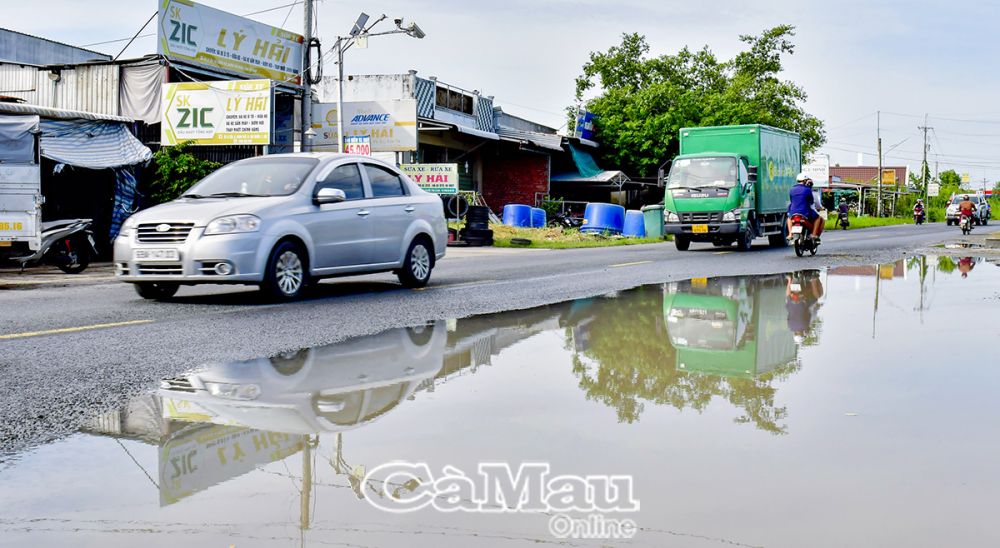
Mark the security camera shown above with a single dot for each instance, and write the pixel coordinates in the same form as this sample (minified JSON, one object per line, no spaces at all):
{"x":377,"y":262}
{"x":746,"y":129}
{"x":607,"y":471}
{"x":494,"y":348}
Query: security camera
{"x":399,"y":22}
{"x":414,"y":31}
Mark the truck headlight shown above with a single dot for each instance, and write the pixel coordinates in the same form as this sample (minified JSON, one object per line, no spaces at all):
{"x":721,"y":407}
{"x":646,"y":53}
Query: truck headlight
{"x":232,"y":224}
{"x":233,"y":391}
{"x":731,"y":216}
{"x":672,"y":217}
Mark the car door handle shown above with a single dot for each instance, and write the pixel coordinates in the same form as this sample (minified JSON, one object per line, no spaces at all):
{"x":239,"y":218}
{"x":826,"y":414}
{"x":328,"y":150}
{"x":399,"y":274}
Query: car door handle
{"x":363,"y":212}
{"x":409,"y":209}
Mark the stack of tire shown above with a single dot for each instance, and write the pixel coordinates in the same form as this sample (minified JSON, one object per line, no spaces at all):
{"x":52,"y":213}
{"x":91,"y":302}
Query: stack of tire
{"x":477,"y":227}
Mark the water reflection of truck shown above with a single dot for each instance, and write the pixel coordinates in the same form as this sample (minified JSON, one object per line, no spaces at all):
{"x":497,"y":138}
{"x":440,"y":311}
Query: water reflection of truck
{"x":730,"y":184}
{"x":730,"y":326}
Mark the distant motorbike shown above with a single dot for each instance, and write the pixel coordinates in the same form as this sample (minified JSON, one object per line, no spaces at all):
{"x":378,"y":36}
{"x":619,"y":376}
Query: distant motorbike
{"x":67,"y":244}
{"x":966,"y":224}
{"x":918,"y":216}
{"x":802,"y":238}
{"x":843,"y":221}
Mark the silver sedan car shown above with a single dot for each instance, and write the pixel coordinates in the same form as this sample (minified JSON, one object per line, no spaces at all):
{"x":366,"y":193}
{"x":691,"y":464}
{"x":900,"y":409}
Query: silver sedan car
{"x":282,"y":222}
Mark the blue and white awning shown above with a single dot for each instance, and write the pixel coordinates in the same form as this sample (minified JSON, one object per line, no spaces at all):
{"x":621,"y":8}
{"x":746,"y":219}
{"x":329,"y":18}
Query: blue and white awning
{"x":91,"y":144}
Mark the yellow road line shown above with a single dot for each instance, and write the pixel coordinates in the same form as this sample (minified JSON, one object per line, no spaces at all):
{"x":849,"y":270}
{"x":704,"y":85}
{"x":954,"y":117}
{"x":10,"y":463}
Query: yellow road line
{"x":629,"y":264}
{"x":722,"y":252}
{"x":448,"y":286}
{"x":71,"y":329}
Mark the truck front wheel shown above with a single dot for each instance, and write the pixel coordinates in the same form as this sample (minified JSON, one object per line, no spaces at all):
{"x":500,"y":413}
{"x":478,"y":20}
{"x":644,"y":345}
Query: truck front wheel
{"x":682,"y":243}
{"x":744,"y":240}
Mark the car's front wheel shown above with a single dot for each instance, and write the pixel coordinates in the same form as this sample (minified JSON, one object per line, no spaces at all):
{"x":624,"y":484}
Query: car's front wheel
{"x":417,"y":264}
{"x":156,"y":291}
{"x":287,"y":272}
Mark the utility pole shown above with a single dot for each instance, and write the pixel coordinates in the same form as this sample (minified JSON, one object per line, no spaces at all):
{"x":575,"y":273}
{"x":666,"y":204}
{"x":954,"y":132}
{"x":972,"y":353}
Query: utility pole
{"x":924,"y":167}
{"x":878,"y":145}
{"x":307,"y":25}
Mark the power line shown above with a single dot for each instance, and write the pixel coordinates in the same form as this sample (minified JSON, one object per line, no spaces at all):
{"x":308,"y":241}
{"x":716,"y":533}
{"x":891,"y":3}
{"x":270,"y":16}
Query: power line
{"x":154,"y":34}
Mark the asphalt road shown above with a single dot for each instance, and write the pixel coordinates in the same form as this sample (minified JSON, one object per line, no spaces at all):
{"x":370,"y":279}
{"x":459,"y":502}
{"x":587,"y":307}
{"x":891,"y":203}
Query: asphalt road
{"x":67,"y":352}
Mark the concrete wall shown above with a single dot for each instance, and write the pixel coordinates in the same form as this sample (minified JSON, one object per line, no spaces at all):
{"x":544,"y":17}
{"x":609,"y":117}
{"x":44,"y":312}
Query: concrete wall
{"x":368,"y":87}
{"x":513,"y":176}
{"x":32,"y":50}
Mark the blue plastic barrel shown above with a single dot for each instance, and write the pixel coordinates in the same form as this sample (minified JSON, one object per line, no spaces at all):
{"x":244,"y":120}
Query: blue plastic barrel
{"x":603,"y":218}
{"x":635,"y":224}
{"x":537,"y":217}
{"x":517,"y":215}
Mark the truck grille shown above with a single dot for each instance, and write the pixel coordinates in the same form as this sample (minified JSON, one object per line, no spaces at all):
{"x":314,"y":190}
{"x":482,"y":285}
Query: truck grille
{"x":177,"y":384}
{"x":177,"y":233}
{"x":160,"y":269}
{"x":702,"y":217}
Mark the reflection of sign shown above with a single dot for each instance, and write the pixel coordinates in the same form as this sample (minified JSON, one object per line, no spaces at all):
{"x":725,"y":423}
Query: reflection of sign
{"x":358,"y":144}
{"x":213,"y":38}
{"x":196,"y":459}
{"x":888,"y":176}
{"x":933,"y":189}
{"x":435,"y":178}
{"x":392,"y":125}
{"x":217,"y":113}
{"x":818,"y":169}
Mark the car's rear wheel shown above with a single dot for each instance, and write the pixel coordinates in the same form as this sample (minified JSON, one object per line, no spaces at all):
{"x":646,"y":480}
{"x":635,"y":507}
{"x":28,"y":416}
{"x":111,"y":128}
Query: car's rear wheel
{"x":157,"y":291}
{"x":681,"y":243}
{"x":287,"y":273}
{"x":417,"y":264}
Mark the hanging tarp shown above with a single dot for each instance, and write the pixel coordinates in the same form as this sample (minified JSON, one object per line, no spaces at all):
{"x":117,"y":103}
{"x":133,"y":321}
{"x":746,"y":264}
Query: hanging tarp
{"x":584,"y":162}
{"x":91,"y":144}
{"x":17,"y":139}
{"x":126,"y":202}
{"x":140,"y":87}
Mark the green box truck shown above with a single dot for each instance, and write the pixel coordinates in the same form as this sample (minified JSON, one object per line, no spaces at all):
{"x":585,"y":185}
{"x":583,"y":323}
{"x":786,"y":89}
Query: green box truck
{"x":729,"y":184}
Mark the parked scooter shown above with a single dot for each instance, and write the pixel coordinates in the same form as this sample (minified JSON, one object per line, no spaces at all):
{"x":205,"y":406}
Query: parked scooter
{"x":966,"y":224}
{"x":563,"y":220}
{"x":802,"y":238}
{"x":67,"y":244}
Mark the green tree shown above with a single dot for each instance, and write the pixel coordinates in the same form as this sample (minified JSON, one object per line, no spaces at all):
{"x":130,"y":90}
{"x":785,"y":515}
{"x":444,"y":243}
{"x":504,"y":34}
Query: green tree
{"x":643,"y":100}
{"x":176,"y":170}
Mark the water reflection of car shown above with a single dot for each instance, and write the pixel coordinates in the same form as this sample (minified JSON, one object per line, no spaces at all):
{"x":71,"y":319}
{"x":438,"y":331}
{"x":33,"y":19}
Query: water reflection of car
{"x":729,"y":326}
{"x":322,"y":389}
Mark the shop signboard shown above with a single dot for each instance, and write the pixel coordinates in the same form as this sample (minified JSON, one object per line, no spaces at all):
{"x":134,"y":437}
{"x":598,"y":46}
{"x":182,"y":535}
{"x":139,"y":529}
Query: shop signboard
{"x":199,"y":35}
{"x":391,"y":125}
{"x":234,"y":112}
{"x":433,"y":178}
{"x":818,"y":169}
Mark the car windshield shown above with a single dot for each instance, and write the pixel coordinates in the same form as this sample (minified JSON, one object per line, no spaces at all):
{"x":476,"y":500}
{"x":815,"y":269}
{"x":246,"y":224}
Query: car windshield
{"x":712,"y":172}
{"x":960,"y":199}
{"x":257,"y":177}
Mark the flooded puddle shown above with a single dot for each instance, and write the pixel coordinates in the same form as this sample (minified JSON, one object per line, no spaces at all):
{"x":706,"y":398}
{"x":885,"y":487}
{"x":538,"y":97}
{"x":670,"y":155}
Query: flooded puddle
{"x":854,"y":406}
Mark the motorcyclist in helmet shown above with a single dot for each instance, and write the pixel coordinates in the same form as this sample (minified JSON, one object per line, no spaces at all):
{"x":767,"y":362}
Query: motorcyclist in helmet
{"x":966,"y":207}
{"x":802,"y":202}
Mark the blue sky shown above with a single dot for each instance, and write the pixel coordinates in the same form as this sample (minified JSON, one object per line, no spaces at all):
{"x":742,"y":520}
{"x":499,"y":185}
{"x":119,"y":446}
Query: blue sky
{"x":852,"y":57}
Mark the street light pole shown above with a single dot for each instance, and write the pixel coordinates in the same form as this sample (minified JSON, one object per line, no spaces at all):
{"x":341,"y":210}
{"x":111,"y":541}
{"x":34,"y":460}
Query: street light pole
{"x":340,"y":94}
{"x":307,"y":23}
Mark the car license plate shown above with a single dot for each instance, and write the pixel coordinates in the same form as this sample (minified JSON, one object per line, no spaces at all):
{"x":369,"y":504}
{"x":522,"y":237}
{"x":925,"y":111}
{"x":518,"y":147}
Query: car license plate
{"x":700,"y":229}
{"x":6,"y":243}
{"x":699,"y":282}
{"x":797,"y":229}
{"x":154,"y":255}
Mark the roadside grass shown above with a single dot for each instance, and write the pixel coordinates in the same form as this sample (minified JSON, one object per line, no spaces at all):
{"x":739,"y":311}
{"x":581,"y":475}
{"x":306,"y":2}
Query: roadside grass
{"x":559,"y":238}
{"x":870,"y":222}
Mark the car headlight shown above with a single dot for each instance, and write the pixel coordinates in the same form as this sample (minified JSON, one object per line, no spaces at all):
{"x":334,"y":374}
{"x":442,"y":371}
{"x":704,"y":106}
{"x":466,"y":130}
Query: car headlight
{"x":127,"y":227}
{"x":730,"y":216}
{"x":233,"y":391}
{"x":232,"y":224}
{"x":672,"y":217}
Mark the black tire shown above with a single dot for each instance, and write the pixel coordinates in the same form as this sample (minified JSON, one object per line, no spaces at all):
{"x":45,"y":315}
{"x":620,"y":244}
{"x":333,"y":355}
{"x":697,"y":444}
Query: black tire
{"x":813,"y":249}
{"x":986,"y":221}
{"x":417,"y":264}
{"x":287,"y":272}
{"x":682,"y":243}
{"x":744,"y":240}
{"x":77,"y":260}
{"x":156,"y":291}
{"x":798,"y":249}
{"x":780,"y":239}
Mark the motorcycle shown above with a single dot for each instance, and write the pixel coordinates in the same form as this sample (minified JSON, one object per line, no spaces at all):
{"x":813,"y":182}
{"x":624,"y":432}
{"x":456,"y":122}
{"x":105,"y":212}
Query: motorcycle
{"x":918,"y":216}
{"x":965,"y":223}
{"x":843,"y":221}
{"x":67,"y":244}
{"x":563,"y":220}
{"x":802,"y":238}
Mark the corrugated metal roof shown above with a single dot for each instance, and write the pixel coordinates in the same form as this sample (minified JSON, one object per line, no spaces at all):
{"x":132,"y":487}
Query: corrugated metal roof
{"x":58,"y":113}
{"x":543,"y":140}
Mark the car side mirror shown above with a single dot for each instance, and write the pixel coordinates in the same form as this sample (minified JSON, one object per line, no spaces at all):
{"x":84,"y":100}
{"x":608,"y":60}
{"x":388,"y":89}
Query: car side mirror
{"x":752,"y":174}
{"x":329,"y":196}
{"x":660,"y":176}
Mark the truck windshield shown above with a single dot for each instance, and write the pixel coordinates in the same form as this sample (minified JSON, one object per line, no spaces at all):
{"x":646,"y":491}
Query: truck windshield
{"x":718,"y":172}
